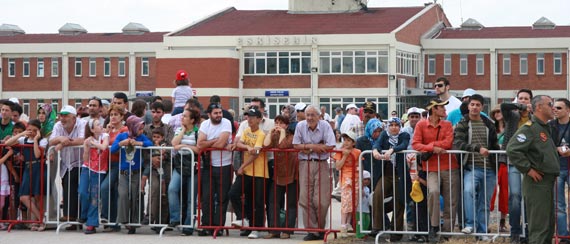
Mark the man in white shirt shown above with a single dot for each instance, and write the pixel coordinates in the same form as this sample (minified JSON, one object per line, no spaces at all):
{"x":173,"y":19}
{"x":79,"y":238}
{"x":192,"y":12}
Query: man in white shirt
{"x":442,"y":87}
{"x":351,"y":119}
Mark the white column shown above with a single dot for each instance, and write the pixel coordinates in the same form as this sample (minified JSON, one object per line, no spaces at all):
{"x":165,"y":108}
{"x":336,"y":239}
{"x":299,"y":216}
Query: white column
{"x":567,"y":73}
{"x":241,"y":101}
{"x":64,"y":79}
{"x":314,"y":75}
{"x":132,"y":74}
{"x":493,"y":82}
{"x":392,"y":91}
{"x":1,"y":75}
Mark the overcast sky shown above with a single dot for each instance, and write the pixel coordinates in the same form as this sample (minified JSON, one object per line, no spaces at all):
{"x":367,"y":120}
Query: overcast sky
{"x":41,"y":16}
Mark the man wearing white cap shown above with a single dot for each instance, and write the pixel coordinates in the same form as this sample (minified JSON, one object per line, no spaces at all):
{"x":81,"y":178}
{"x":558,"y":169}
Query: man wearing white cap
{"x":351,"y":119}
{"x":300,"y":109}
{"x":68,"y":132}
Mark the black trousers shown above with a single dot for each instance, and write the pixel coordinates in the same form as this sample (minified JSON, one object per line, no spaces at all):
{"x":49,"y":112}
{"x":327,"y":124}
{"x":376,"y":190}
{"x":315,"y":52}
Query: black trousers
{"x":253,"y":189}
{"x":70,"y":184}
{"x":216,"y":182}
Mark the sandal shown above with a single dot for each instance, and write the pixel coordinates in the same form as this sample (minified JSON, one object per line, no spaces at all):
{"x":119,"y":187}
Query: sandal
{"x":34,"y":227}
{"x":41,"y":227}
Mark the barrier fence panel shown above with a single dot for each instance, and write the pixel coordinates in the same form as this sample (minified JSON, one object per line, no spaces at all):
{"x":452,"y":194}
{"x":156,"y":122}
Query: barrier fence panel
{"x":22,"y":186}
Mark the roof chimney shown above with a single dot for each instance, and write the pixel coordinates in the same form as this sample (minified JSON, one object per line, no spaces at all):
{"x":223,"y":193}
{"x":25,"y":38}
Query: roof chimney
{"x":543,"y":23}
{"x":72,"y":29}
{"x":471,"y":24}
{"x":134,"y":29}
{"x":10,"y":30}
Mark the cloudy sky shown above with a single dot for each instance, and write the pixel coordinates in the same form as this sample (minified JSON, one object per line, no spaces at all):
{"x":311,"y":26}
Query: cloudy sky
{"x":40,"y":16}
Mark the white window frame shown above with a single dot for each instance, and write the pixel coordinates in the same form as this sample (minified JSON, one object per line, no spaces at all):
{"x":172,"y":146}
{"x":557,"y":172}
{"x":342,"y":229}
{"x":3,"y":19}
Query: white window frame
{"x":523,"y":57}
{"x":26,"y":66}
{"x":26,"y":107}
{"x":55,"y":104}
{"x":78,"y":66}
{"x":107,"y":67}
{"x":259,"y":62}
{"x":406,"y":63}
{"x":447,"y":64}
{"x":540,"y":63}
{"x":145,"y":62}
{"x":506,"y":63}
{"x":92,"y":67}
{"x":122,"y":63}
{"x":54,"y":64}
{"x":480,"y":64}
{"x":431,"y":64}
{"x":40,"y":69}
{"x":11,"y":67}
{"x":557,"y":57}
{"x":464,"y":59}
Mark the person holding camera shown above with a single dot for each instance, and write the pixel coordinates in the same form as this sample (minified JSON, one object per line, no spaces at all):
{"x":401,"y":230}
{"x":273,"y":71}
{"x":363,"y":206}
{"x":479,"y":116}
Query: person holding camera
{"x":432,"y":137}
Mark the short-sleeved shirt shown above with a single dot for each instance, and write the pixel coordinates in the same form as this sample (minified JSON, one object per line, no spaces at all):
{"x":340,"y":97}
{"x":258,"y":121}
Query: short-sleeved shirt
{"x":6,"y":130}
{"x":70,"y":156}
{"x":323,"y":134}
{"x":28,"y":152}
{"x":181,"y":94}
{"x":349,"y":165}
{"x":189,"y":138}
{"x":98,"y":159}
{"x":212,"y":132}
{"x":259,"y":166}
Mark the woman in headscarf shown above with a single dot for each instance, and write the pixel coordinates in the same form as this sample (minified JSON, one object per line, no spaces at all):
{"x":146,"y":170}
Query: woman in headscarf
{"x":47,"y":117}
{"x":130,"y":209}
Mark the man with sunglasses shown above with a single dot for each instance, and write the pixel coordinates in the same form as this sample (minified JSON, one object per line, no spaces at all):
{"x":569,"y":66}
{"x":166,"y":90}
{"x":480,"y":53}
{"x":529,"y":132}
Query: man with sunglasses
{"x":442,"y":87}
{"x":561,"y":136}
{"x":533,"y":152}
{"x":94,"y":107}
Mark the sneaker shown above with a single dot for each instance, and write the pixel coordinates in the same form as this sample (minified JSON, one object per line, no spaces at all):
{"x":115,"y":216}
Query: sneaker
{"x":515,"y":239}
{"x":467,"y":230}
{"x":253,"y":235}
{"x":103,"y":220}
{"x":311,"y":237}
{"x":90,"y":230}
{"x":343,"y":230}
{"x":485,"y":239}
{"x":239,"y":223}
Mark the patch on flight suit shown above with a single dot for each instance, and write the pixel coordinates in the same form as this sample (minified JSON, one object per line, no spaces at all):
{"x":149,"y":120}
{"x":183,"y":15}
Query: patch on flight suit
{"x":543,"y":137}
{"x":521,"y":138}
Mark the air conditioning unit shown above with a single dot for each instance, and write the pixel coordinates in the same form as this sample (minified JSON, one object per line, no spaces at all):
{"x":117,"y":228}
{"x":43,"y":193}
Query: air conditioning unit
{"x":402,"y":87}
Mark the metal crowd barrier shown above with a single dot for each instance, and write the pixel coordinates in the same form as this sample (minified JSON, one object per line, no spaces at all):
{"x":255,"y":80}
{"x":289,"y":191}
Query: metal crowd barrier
{"x":14,"y":210}
{"x":416,"y":220}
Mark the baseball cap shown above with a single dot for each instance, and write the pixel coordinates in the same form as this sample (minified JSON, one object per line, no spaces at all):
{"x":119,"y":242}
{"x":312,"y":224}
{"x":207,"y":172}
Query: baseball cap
{"x":436,"y":102}
{"x":414,"y":110}
{"x":300,"y":106}
{"x":468,"y":92}
{"x":350,"y":134}
{"x":67,"y":109}
{"x":365,"y":174}
{"x":254,"y":112}
{"x":417,"y":194}
{"x":369,"y":107}
{"x":352,"y":105}
{"x":14,"y":100}
{"x":105,"y":102}
{"x":181,"y":75}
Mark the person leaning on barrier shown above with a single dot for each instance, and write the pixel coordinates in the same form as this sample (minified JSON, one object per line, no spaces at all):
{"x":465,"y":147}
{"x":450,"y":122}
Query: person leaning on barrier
{"x":314,"y":138}
{"x":533,"y":151}
{"x":433,"y":136}
{"x":129,"y":206}
{"x":386,"y":147}
{"x":376,"y":167}
{"x":476,"y":134}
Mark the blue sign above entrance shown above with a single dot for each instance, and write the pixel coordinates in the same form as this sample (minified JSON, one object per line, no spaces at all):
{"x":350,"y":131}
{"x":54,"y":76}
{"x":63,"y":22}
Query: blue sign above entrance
{"x":277,"y":93}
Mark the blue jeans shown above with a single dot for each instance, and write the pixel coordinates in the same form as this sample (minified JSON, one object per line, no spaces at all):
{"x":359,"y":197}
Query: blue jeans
{"x":109,"y":201}
{"x":515,"y":200}
{"x":174,"y":197}
{"x":479,"y":184}
{"x":89,"y":195}
{"x":561,"y":216}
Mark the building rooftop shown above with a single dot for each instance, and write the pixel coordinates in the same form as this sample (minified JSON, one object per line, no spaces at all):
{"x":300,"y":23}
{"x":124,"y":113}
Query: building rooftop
{"x":505,"y":32}
{"x":83,"y":38}
{"x":278,"y":22}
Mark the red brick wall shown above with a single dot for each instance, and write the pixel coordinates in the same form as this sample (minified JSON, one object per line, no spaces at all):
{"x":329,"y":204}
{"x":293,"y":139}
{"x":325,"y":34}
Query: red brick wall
{"x":146,"y":83}
{"x":203,"y":72}
{"x":31,"y":83}
{"x":548,"y":81}
{"x":353,"y":81}
{"x":99,"y":82}
{"x":412,"y":33}
{"x":281,"y":81}
{"x":461,"y":82}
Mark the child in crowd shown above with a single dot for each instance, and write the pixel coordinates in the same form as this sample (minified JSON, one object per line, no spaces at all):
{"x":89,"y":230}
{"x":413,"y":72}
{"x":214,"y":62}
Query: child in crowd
{"x":364,"y":208}
{"x":31,"y":178}
{"x":182,"y":92}
{"x":93,"y":171}
{"x":4,"y":184}
{"x":347,"y":163}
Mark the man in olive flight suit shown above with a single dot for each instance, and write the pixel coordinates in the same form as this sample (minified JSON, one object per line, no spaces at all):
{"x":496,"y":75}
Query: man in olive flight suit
{"x":533,"y":152}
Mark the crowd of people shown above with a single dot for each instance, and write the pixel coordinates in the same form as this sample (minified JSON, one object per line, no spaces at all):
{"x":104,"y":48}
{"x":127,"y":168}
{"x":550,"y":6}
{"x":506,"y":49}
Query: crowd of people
{"x":106,"y":173}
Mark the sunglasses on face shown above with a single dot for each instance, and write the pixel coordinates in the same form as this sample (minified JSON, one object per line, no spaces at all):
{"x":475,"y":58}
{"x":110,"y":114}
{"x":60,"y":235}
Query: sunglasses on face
{"x":214,"y":106}
{"x":439,"y":85}
{"x":558,"y":108}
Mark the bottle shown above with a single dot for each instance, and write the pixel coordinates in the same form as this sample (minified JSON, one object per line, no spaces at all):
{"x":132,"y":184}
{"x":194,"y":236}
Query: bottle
{"x":564,"y":145}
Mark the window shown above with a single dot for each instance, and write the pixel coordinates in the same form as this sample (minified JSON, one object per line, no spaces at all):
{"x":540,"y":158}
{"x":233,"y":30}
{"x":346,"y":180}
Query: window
{"x":55,"y":105}
{"x":557,"y":63}
{"x":144,"y":67}
{"x":431,"y":64}
{"x":54,"y":67}
{"x":506,"y":64}
{"x":540,"y":63}
{"x":26,"y":107}
{"x":523,"y":64}
{"x":480,"y":64}
{"x":277,"y":63}
{"x":26,"y":65}
{"x":78,"y":67}
{"x":107,"y":67}
{"x":11,"y":67}
{"x":78,"y":103}
{"x":406,"y":63}
{"x":40,"y":71}
{"x":447,"y":64}
{"x":92,"y":67}
{"x":122,"y":67}
{"x":354,"y":62}
{"x":463,"y":64}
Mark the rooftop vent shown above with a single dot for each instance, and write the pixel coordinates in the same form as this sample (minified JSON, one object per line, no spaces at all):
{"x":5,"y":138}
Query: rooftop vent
{"x":72,"y":29}
{"x":543,"y":23}
{"x":134,"y":29}
{"x":10,"y":30}
{"x":471,"y":24}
